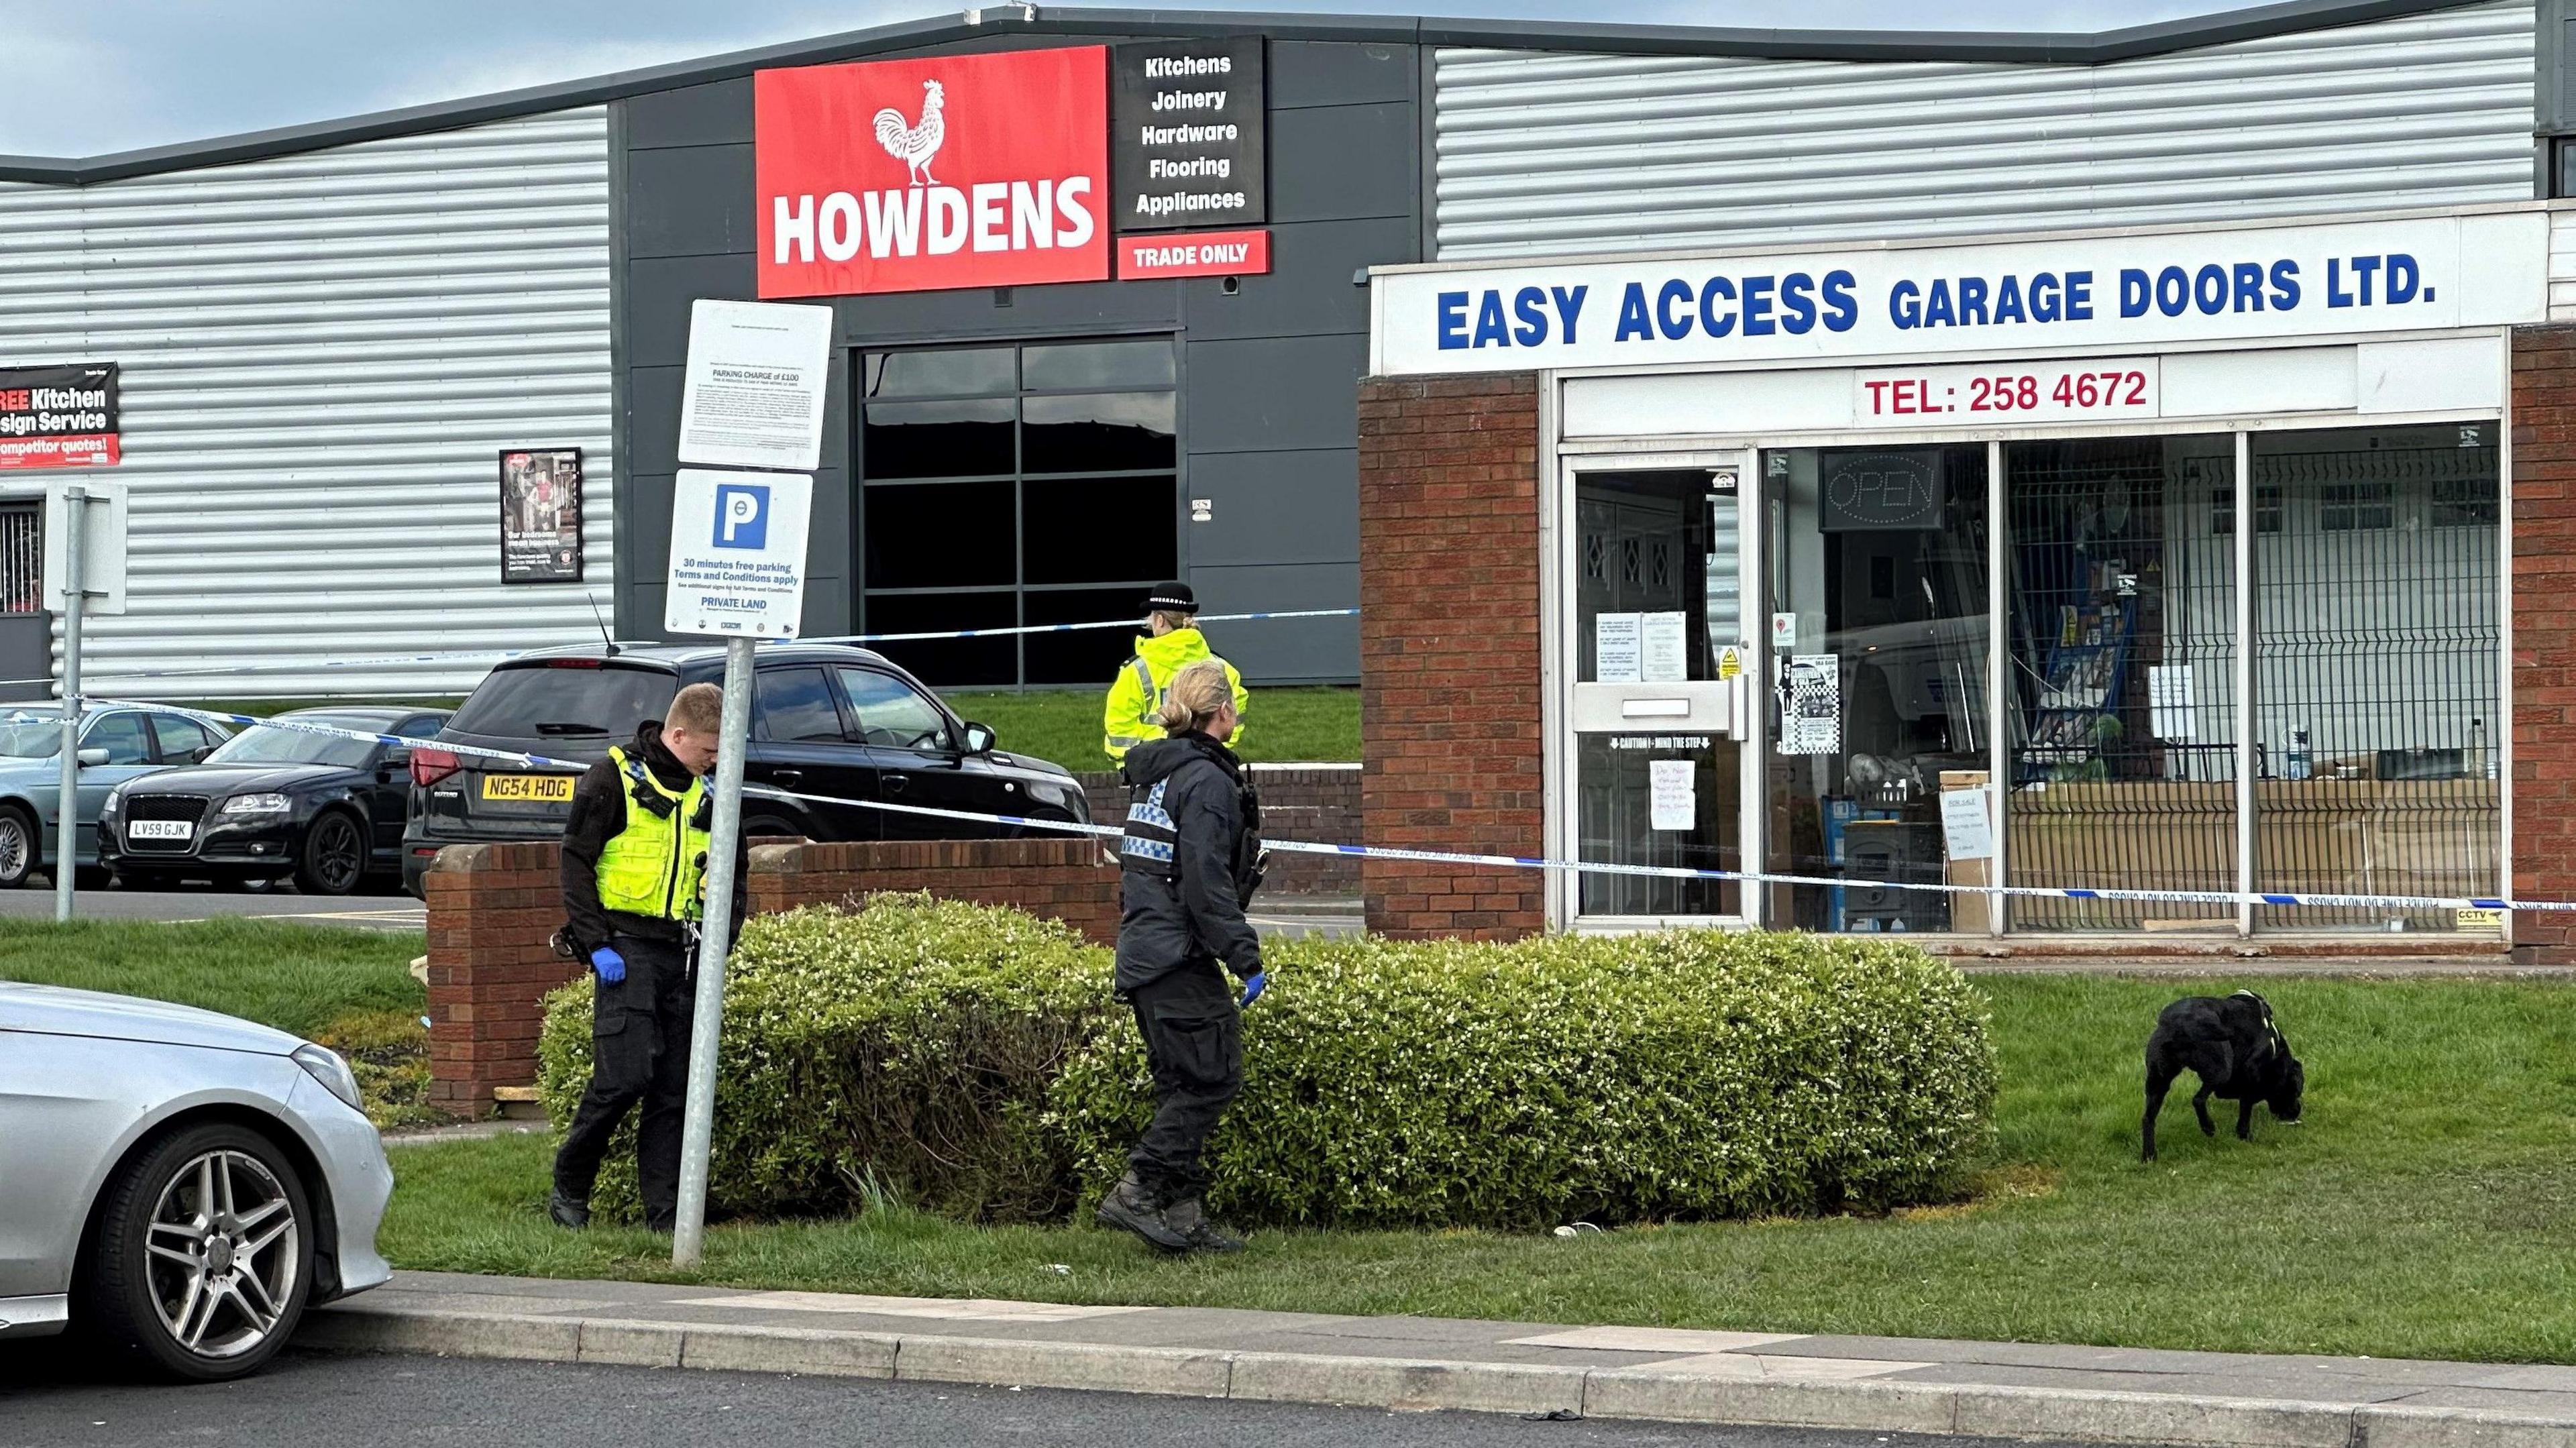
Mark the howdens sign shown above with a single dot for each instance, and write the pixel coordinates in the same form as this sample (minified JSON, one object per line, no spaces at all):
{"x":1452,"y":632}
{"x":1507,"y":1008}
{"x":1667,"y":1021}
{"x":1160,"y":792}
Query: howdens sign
{"x":2129,"y":291}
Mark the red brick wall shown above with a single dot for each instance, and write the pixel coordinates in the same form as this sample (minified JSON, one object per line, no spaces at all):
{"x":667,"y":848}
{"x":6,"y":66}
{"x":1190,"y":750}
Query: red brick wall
{"x":1298,"y":802}
{"x":2544,"y":638}
{"x":1449,"y":651}
{"x":492,"y":907}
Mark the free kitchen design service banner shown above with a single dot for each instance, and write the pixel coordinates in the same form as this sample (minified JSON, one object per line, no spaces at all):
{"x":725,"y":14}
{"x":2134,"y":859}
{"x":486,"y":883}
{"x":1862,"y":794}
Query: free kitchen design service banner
{"x":58,"y":417}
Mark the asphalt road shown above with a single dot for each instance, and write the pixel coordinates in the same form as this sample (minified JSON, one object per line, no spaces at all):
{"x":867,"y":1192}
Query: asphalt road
{"x":49,"y":1399}
{"x":366,"y":912}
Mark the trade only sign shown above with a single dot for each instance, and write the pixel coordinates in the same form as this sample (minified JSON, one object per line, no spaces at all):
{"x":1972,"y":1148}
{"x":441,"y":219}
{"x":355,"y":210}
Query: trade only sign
{"x":2127,"y":290}
{"x":918,"y":175}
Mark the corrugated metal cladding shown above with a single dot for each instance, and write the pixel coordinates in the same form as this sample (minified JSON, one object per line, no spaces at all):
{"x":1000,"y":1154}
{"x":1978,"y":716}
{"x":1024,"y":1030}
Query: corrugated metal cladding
{"x":323,"y":356}
{"x":1565,"y":154}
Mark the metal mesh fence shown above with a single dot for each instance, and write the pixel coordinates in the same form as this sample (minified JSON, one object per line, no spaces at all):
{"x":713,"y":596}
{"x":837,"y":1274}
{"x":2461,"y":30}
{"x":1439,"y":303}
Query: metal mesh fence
{"x":2376,"y":663}
{"x":2122,"y":619}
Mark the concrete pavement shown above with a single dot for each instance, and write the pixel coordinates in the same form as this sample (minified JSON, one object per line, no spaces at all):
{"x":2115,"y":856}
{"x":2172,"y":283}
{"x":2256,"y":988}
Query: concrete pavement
{"x":48,"y":1398}
{"x":1878,"y":1385}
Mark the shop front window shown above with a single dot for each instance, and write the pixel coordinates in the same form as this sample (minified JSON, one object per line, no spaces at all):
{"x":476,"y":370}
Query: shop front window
{"x":1879,"y":641}
{"x":2377,"y":726}
{"x":1017,"y":485}
{"x":2120,"y":592}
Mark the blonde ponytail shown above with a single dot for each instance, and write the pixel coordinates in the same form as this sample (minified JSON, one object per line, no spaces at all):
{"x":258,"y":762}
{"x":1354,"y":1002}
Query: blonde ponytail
{"x":1197,"y":692}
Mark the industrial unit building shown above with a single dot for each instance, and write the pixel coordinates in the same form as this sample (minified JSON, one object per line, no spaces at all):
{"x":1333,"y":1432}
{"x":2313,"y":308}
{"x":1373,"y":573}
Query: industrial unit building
{"x":1745,"y":448}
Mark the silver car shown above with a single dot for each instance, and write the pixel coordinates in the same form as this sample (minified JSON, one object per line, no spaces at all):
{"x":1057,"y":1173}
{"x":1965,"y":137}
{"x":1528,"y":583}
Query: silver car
{"x":117,"y":743}
{"x":177,"y":1185}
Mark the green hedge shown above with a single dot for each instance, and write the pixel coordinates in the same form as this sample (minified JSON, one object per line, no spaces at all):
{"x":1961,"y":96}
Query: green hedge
{"x":970,"y":1060}
{"x":905,"y":1048}
{"x":1689,"y":1074}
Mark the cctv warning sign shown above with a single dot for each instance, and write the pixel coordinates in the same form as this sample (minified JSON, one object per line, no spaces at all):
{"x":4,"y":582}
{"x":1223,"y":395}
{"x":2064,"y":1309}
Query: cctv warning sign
{"x":916,"y":175}
{"x":58,"y":417}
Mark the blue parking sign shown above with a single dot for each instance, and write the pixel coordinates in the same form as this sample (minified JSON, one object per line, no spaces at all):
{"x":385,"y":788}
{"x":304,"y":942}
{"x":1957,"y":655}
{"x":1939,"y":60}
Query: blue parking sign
{"x":742,"y":516}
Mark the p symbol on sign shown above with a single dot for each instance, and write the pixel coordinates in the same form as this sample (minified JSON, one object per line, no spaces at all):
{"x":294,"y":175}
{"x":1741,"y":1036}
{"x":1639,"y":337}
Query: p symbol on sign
{"x":742,"y":515}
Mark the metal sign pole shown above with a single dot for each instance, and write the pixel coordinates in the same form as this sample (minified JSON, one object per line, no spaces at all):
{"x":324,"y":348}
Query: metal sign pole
{"x":697,"y":1131}
{"x":75,"y":598}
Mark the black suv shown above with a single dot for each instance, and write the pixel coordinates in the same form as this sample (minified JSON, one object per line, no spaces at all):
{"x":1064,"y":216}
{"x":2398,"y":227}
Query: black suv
{"x":827,"y":720}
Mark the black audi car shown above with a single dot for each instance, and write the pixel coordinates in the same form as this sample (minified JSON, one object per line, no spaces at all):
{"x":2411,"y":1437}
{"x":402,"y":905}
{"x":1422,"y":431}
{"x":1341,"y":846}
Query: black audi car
{"x":833,"y":728}
{"x":274,"y":803}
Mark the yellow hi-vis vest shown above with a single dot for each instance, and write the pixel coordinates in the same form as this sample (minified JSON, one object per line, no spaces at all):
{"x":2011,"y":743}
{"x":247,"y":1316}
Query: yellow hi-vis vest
{"x":1137,"y":693}
{"x":653,"y":866}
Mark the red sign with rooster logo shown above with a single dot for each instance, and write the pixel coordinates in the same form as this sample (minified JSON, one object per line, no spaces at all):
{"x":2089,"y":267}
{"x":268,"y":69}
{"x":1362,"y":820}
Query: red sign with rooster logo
{"x":914,"y":175}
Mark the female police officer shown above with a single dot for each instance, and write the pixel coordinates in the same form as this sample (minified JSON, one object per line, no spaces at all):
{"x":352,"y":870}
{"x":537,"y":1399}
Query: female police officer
{"x":1191,"y":860}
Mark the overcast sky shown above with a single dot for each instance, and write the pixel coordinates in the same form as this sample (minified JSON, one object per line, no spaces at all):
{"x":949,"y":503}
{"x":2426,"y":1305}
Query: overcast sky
{"x":111,"y":75}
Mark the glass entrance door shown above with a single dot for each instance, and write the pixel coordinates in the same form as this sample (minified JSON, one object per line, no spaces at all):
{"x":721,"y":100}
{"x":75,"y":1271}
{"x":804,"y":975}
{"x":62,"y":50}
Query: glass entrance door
{"x":1658,"y":650}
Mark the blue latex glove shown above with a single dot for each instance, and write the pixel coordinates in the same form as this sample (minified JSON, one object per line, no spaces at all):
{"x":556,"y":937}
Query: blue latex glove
{"x":1253,"y":988}
{"x":610,"y":965}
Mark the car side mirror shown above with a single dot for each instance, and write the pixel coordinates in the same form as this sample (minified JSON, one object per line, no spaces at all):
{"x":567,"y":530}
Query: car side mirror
{"x":980,"y":739}
{"x":89,"y":757}
{"x":396,"y":761}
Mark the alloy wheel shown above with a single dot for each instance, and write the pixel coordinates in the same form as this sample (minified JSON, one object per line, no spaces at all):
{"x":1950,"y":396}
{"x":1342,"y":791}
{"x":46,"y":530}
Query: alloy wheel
{"x":15,"y":848}
{"x":222,"y":1254}
{"x":338,"y":857}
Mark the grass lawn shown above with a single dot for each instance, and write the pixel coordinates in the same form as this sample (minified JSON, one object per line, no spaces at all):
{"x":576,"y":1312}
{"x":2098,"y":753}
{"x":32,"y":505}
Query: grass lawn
{"x":1283,"y":726}
{"x":349,"y":989}
{"x":2427,"y":1209}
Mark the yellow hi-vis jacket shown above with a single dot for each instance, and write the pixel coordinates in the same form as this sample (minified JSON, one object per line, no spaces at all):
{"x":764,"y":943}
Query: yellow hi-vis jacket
{"x":653,"y":867}
{"x":1138,"y":690}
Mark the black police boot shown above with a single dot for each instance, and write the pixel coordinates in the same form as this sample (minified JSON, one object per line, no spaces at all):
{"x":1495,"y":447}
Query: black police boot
{"x":1188,"y":1217}
{"x":568,"y":1211}
{"x":1131,"y":1208}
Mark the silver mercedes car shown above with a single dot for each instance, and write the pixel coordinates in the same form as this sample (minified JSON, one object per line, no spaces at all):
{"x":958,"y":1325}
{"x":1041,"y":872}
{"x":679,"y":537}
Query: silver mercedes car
{"x":176,"y":1185}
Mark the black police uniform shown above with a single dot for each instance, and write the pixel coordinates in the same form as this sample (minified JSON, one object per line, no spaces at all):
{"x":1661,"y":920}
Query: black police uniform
{"x":1191,"y":860}
{"x":641,"y":1026}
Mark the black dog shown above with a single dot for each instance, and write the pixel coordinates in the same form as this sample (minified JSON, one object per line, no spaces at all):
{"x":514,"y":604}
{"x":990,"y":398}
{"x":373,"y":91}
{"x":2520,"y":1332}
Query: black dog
{"x":2237,"y":1052}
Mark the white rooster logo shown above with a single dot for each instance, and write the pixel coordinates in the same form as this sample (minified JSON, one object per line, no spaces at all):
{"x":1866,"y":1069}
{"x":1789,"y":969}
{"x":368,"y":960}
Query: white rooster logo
{"x":915,"y":145}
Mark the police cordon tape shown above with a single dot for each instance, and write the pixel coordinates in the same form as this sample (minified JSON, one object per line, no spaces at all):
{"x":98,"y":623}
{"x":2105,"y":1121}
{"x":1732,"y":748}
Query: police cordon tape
{"x":499,"y":655}
{"x":1450,"y":857}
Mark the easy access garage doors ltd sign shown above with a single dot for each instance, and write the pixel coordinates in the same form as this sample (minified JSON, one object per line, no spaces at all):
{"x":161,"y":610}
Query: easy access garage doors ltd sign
{"x":997,"y":170}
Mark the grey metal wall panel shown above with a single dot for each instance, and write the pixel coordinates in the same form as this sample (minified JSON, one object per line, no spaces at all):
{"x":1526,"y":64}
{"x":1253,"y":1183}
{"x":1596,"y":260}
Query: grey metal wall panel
{"x":715,"y":114}
{"x":1309,"y":290}
{"x":1334,"y":163}
{"x":1293,"y":650}
{"x":1276,"y":507}
{"x":668,"y":192}
{"x":324,"y":355}
{"x":1566,"y":153}
{"x":1276,"y":393}
{"x":1339,"y":73}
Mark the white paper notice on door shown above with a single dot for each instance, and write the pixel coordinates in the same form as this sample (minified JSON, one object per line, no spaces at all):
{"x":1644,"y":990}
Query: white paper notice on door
{"x":1674,"y":801}
{"x":1665,"y":648}
{"x":1965,"y":826}
{"x":1618,"y":644}
{"x":2170,"y":711}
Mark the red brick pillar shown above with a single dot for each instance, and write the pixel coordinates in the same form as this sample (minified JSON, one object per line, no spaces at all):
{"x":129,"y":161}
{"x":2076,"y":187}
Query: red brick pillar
{"x":2544,"y":639}
{"x":1449,"y":651}
{"x":491,"y":910}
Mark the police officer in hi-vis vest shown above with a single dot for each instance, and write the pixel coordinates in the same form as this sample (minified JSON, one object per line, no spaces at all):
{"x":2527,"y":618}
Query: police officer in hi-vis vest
{"x":1170,"y":643}
{"x":634,"y":865}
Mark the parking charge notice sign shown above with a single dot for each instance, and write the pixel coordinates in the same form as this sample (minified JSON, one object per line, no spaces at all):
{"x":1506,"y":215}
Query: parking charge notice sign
{"x":737,"y":553}
{"x":58,"y":417}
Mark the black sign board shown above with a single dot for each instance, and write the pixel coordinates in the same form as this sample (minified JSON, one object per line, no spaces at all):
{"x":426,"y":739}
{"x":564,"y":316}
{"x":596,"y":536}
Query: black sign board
{"x":1875,"y":490}
{"x":541,"y":515}
{"x":1186,"y":134}
{"x":59,"y":417}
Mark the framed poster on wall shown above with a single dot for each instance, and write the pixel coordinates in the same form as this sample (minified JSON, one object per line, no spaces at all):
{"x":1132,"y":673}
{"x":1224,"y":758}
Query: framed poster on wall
{"x":541,"y":515}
